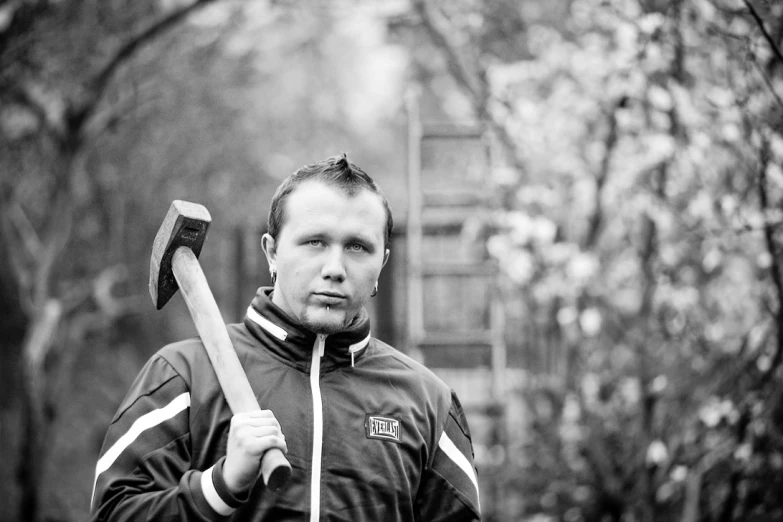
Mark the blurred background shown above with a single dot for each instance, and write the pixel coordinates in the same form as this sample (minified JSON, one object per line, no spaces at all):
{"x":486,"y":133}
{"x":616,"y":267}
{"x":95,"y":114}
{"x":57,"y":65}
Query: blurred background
{"x":587,"y":197}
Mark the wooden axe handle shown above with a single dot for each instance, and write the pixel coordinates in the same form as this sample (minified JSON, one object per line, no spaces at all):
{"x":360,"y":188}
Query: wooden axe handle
{"x":275,"y":468}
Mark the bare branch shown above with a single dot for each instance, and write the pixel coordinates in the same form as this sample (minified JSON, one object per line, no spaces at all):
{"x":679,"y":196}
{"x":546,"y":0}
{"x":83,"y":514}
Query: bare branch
{"x":120,"y":110}
{"x":56,"y":234}
{"x":103,"y":293}
{"x":762,"y":27}
{"x":16,"y":94}
{"x":456,"y":66}
{"x":774,"y":268}
{"x":14,"y":253}
{"x":610,"y":142}
{"x":99,"y":290}
{"x":21,"y":17}
{"x":715,"y":456}
{"x":25,"y":229}
{"x":126,"y":51}
{"x":767,"y":81}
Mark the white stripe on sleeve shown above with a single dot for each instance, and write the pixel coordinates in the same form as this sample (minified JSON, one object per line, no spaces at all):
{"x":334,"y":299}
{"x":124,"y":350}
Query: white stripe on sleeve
{"x":142,"y":424}
{"x":458,"y":458}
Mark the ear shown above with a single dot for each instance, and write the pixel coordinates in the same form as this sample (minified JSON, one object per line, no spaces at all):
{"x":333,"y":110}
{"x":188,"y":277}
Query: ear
{"x":386,"y":257}
{"x":268,"y":246}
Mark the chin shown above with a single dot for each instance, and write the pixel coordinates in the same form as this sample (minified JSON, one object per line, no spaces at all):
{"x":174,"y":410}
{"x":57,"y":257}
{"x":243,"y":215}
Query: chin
{"x":322,"y":322}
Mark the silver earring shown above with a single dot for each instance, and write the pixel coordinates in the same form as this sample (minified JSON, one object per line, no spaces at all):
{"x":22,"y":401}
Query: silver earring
{"x":374,"y":290}
{"x":273,"y":275}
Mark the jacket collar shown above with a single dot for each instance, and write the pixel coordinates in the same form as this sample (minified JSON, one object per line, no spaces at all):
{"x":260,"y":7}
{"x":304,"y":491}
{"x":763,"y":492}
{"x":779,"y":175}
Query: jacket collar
{"x":288,"y":340}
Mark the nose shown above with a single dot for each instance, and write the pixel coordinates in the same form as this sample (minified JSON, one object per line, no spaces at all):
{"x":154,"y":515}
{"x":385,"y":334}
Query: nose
{"x":334,"y":265}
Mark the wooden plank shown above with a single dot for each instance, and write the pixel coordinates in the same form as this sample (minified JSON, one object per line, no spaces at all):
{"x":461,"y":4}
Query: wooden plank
{"x":457,"y":356}
{"x":482,"y":338}
{"x":435,"y":218}
{"x":457,"y":196}
{"x":451,"y":227}
{"x":459,"y":269}
{"x":435,"y":130}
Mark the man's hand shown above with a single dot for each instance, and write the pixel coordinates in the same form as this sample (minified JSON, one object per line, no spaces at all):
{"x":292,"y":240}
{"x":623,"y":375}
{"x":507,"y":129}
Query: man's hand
{"x":250,"y":436}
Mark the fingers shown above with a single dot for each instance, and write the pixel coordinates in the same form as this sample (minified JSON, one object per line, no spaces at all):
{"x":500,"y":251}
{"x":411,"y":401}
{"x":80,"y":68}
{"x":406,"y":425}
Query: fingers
{"x":254,"y":433}
{"x":255,"y":418}
{"x":256,"y":441}
{"x":256,"y":414}
{"x":256,"y":425}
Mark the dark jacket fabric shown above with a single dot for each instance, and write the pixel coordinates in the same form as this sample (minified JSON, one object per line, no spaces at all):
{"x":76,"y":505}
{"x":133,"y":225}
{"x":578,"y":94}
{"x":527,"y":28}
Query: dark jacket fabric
{"x":371,"y":434}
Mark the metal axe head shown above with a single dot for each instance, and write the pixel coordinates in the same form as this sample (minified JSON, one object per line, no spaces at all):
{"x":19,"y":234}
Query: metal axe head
{"x":185,"y":225}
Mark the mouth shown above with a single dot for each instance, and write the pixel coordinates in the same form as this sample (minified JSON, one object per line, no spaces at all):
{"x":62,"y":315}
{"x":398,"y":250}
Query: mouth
{"x":329,"y":298}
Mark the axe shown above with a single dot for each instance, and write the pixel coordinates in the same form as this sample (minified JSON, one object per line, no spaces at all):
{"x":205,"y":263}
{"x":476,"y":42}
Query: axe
{"x":174,"y":265}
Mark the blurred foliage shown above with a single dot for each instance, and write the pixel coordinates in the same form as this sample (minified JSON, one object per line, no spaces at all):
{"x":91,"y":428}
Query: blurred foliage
{"x":638,"y":227}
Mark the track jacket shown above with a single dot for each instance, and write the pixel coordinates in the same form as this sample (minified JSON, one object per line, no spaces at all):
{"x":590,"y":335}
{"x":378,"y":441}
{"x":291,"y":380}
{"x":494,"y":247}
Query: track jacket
{"x":371,"y":434}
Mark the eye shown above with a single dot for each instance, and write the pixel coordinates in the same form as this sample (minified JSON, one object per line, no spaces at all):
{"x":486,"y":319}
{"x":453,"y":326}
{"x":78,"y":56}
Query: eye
{"x":357,"y":247}
{"x":315,"y":242}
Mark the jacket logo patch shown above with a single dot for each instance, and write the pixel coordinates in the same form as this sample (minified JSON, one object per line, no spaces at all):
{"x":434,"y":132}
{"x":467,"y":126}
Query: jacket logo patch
{"x":383,"y":428}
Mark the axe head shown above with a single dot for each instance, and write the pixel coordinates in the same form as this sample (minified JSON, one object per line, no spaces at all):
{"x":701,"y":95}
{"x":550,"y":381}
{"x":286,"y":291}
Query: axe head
{"x":185,"y":225}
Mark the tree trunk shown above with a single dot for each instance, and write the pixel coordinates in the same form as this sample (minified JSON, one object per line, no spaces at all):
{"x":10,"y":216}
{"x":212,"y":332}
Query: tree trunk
{"x":37,"y":345}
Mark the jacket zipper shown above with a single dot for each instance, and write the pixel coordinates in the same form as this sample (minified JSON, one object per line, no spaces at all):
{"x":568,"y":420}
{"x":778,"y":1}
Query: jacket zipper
{"x":318,"y":427}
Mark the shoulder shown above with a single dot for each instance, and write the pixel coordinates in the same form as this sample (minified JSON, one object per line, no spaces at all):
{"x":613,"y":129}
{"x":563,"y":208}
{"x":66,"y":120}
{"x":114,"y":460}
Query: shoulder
{"x":395,"y":363}
{"x":183,"y":356}
{"x":189,"y":357}
{"x":159,"y":382}
{"x":392,"y":356}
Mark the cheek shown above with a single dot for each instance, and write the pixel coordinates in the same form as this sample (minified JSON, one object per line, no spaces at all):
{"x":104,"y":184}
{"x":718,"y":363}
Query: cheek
{"x":293,"y":269}
{"x":370,"y":275}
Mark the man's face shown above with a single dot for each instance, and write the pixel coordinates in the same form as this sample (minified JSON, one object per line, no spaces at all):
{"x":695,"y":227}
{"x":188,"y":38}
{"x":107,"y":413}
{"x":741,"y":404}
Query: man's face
{"x":328,"y":255}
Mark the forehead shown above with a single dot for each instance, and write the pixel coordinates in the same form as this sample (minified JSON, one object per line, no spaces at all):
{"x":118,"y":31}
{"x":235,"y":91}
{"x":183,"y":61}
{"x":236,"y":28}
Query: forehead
{"x":315,"y":206}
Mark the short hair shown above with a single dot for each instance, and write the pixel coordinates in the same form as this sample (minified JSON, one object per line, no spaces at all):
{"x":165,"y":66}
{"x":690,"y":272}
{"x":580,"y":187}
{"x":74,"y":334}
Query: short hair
{"x":335,"y":171}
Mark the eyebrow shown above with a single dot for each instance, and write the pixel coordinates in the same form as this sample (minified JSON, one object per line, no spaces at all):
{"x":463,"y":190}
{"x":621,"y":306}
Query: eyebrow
{"x":359,"y":238}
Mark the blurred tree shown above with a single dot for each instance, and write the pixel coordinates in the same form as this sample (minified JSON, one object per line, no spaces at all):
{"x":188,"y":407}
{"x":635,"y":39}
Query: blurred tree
{"x":639,"y":229}
{"x":57,"y":62}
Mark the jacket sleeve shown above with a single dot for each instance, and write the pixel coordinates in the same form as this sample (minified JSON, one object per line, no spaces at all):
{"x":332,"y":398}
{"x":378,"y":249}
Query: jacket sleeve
{"x":449,"y":488}
{"x":143,"y":472}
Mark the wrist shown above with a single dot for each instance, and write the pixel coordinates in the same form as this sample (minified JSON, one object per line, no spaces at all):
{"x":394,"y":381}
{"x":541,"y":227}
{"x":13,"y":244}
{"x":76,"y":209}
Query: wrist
{"x":234,"y":496}
{"x":213,"y":498}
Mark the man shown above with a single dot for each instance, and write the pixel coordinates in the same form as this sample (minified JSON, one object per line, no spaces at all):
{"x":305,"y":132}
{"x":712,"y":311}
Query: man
{"x":370,"y":433}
